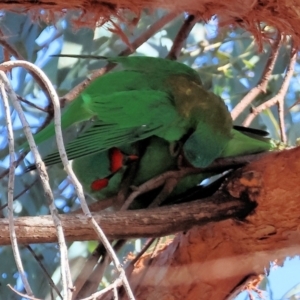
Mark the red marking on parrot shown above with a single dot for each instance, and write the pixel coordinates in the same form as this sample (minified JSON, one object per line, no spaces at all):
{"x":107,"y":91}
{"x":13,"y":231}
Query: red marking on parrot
{"x":99,"y":184}
{"x":116,"y":159}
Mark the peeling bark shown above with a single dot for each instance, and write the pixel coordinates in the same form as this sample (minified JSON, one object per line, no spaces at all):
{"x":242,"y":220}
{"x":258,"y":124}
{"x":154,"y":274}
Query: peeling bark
{"x":209,"y":262}
{"x":282,"y":15}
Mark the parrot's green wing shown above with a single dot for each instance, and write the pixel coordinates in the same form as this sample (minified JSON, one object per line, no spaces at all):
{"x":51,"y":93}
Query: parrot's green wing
{"x":126,"y":119}
{"x":141,"y":73}
{"x":79,"y":109}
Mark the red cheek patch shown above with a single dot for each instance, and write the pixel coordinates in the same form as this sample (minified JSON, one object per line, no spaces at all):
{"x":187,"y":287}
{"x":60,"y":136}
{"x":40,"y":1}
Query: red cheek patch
{"x":99,"y":184}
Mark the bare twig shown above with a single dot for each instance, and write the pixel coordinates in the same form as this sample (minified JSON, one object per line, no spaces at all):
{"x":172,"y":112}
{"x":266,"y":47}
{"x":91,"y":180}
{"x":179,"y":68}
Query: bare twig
{"x":10,"y":48}
{"x":113,"y":286}
{"x":130,"y":266}
{"x":22,"y":295}
{"x":31,"y":104}
{"x":182,"y":34}
{"x":66,"y":276}
{"x":93,"y":269}
{"x":11,"y":181}
{"x":17,"y":55}
{"x":90,"y":284}
{"x":87,"y":270}
{"x":151,"y":30}
{"x":277,"y":99}
{"x":151,"y":185}
{"x":168,"y":188}
{"x":5,"y":172}
{"x":99,"y":205}
{"x":294,"y":104}
{"x":51,"y":283}
{"x":21,"y":193}
{"x":262,"y":85}
{"x":217,"y":166}
{"x":285,"y":85}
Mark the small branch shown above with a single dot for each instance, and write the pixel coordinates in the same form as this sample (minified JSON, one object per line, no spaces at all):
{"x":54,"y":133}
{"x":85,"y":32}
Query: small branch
{"x":262,"y":85}
{"x":11,"y":182}
{"x":130,"y":266}
{"x":31,"y":104}
{"x":90,"y":264}
{"x":113,"y":286}
{"x":168,"y":188}
{"x":151,"y":185}
{"x":18,"y":56}
{"x":66,"y":275}
{"x":295,"y":103}
{"x":51,"y":283}
{"x":21,"y":193}
{"x":93,"y":269}
{"x":5,"y":172}
{"x":22,"y":295}
{"x":9,"y":48}
{"x":285,"y":85}
{"x":152,"y":29}
{"x":94,"y":276}
{"x":182,"y":35}
{"x":277,"y":99}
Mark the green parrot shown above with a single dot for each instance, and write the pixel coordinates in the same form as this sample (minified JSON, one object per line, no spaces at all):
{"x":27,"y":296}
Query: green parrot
{"x":101,"y":173}
{"x":153,"y":97}
{"x":155,"y":158}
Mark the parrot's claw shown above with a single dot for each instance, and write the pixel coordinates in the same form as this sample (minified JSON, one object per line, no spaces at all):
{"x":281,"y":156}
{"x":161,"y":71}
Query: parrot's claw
{"x":175,"y":148}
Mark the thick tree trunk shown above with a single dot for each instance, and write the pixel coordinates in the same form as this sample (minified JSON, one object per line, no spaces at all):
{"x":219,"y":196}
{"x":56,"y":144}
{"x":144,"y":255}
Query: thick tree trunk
{"x":209,"y":262}
{"x":283,"y":14}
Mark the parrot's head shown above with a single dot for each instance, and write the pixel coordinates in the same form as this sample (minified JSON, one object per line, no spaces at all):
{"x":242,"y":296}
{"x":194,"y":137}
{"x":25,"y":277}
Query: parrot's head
{"x":201,"y":148}
{"x":193,"y":152}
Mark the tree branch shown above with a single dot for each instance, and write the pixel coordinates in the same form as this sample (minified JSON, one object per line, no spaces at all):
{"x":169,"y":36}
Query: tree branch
{"x":182,"y":35}
{"x":263,"y":83}
{"x":278,"y":98}
{"x":128,"y":224}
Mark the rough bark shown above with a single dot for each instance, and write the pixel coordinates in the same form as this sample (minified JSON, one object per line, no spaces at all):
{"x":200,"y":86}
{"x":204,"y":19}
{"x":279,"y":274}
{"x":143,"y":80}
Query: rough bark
{"x":283,"y":14}
{"x":128,"y":224}
{"x":209,"y":262}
